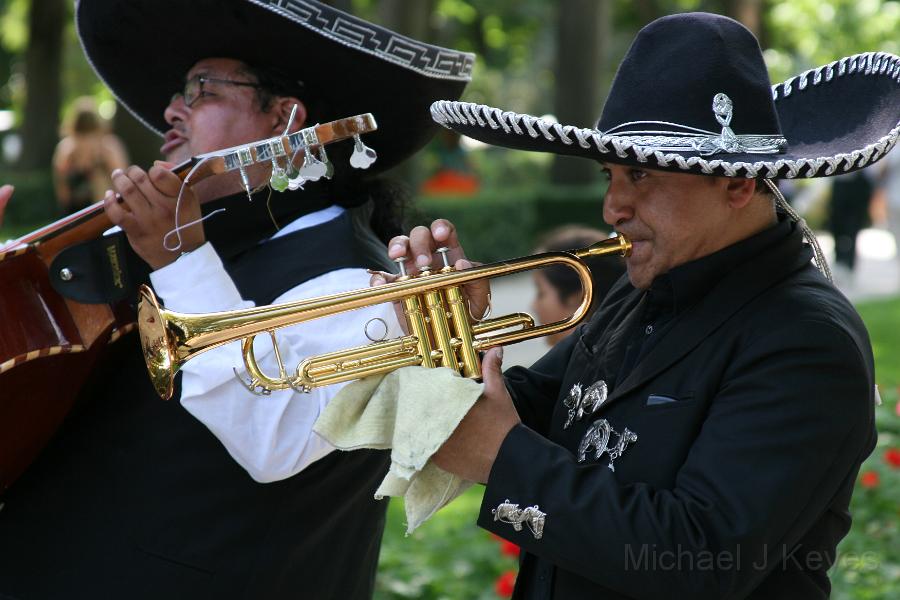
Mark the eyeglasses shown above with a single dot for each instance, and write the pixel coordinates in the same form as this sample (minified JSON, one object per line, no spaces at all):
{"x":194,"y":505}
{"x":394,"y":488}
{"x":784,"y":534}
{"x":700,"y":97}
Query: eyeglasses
{"x":193,"y":88}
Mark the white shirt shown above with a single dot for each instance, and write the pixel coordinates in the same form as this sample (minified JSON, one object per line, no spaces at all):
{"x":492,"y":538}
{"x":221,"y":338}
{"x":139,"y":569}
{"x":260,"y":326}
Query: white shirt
{"x":269,"y":436}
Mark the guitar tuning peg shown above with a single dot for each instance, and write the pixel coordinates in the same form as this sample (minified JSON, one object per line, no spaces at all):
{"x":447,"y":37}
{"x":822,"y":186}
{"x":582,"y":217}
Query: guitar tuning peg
{"x":329,"y":168}
{"x":296,"y":183}
{"x":363,"y":156}
{"x":245,"y":180}
{"x":279,"y":179}
{"x":312,"y":169}
{"x":295,"y":180}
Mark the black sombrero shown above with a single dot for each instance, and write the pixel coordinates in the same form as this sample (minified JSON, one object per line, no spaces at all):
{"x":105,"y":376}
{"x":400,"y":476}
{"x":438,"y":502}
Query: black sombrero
{"x":142,"y":49}
{"x":692,"y":94}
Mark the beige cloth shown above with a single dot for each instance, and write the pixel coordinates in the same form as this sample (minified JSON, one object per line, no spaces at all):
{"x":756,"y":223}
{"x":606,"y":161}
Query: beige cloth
{"x":412,"y":411}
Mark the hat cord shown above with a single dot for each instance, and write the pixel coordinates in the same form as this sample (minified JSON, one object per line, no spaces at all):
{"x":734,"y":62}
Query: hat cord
{"x":808,"y":235}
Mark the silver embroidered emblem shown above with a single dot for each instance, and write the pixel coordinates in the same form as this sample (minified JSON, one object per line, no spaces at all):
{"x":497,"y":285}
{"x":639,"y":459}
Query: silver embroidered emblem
{"x":598,"y":436}
{"x":595,"y":395}
{"x":573,"y":403}
{"x":515,"y":516}
{"x":684,"y":138}
{"x":580,"y":404}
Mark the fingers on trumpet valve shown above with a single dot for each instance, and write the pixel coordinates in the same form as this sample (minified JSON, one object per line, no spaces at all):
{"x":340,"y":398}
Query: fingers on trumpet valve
{"x":423,"y":243}
{"x":423,"y":247}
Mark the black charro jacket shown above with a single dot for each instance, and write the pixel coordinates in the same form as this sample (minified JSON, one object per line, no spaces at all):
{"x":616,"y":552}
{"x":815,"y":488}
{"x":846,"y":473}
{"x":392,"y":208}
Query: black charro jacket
{"x":739,"y":482}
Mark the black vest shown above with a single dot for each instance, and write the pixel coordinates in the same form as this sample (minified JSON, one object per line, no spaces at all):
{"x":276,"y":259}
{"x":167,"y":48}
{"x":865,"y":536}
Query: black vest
{"x":135,"y":498}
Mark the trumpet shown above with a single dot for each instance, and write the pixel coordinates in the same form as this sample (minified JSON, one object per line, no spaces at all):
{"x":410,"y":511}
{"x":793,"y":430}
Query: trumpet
{"x":441,"y":333}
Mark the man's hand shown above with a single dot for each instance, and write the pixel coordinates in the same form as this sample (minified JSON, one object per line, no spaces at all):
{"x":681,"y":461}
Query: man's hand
{"x":6,"y":193}
{"x":419,"y":248}
{"x":471,"y":450}
{"x":146,"y":212}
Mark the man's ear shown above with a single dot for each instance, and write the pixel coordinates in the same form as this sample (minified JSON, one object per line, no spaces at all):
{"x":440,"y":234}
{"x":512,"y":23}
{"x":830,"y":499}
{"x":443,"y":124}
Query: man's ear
{"x":281,"y":112}
{"x":740,"y":191}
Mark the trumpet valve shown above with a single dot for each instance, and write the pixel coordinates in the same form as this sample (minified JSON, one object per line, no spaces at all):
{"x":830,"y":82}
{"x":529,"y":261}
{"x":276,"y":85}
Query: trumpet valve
{"x":443,"y":252}
{"x":401,"y":267}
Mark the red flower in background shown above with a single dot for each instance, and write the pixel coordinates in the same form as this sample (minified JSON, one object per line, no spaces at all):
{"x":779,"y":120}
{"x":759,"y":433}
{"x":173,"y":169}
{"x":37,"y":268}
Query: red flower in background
{"x":869,"y":479}
{"x":507,"y":548}
{"x":505,"y":584}
{"x":892,"y":457}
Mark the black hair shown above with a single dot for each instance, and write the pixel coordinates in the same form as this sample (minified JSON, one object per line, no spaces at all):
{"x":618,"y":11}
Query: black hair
{"x":273,"y":83}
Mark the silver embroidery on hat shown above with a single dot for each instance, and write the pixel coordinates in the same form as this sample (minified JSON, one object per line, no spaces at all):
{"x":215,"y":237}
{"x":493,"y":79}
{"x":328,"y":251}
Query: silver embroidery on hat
{"x":598,"y":436}
{"x":692,"y":139}
{"x":515,"y":516}
{"x":586,"y":403}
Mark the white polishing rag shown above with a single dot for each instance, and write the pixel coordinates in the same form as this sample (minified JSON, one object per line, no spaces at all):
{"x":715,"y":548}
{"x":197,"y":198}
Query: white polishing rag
{"x":412,"y":411}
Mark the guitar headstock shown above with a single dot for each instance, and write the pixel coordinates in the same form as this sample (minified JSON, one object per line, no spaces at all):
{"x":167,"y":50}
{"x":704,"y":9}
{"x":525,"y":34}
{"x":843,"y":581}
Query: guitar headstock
{"x":281,"y":153}
{"x":295,"y":158}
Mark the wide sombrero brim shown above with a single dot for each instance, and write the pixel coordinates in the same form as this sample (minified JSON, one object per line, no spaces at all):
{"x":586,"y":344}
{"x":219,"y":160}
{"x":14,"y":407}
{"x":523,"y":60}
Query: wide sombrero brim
{"x":837,"y":118}
{"x":142,"y":49}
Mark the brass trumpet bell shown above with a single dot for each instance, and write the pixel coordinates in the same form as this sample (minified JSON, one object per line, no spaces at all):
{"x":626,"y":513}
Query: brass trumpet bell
{"x":441,"y":332}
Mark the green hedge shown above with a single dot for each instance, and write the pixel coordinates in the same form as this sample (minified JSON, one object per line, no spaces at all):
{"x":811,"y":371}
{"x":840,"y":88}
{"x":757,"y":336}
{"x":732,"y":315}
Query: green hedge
{"x":499,"y":224}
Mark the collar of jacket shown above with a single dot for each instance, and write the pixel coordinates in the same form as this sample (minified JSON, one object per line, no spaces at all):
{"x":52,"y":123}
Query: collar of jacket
{"x":681,"y":287}
{"x":727,"y":295}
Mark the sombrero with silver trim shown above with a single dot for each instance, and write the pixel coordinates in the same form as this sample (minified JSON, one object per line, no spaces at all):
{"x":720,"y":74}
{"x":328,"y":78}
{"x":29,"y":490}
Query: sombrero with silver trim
{"x":692,"y":94}
{"x":142,"y":50}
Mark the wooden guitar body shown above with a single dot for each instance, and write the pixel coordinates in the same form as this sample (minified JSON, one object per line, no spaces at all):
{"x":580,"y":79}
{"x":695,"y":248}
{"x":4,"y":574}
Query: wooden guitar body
{"x":48,"y":348}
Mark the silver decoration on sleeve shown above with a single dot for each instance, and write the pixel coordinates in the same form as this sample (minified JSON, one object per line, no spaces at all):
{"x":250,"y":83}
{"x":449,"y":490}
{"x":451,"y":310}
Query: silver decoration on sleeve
{"x":598,"y":437}
{"x":580,"y":404}
{"x":515,"y":516}
{"x":683,"y":138}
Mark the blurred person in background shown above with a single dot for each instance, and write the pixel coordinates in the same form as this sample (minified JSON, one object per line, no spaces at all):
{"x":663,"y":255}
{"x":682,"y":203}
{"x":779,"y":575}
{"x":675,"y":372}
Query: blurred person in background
{"x":888,"y":194}
{"x":85,"y":157}
{"x":848,"y":214}
{"x":557,"y":288}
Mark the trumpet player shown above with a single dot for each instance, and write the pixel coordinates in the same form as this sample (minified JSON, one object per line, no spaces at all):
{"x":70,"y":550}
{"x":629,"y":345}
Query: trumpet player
{"x":220,"y":493}
{"x":701,"y":436}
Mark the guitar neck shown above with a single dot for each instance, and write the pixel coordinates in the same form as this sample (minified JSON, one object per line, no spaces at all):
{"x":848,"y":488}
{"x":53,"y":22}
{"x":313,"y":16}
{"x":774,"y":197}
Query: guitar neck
{"x":91,"y":222}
